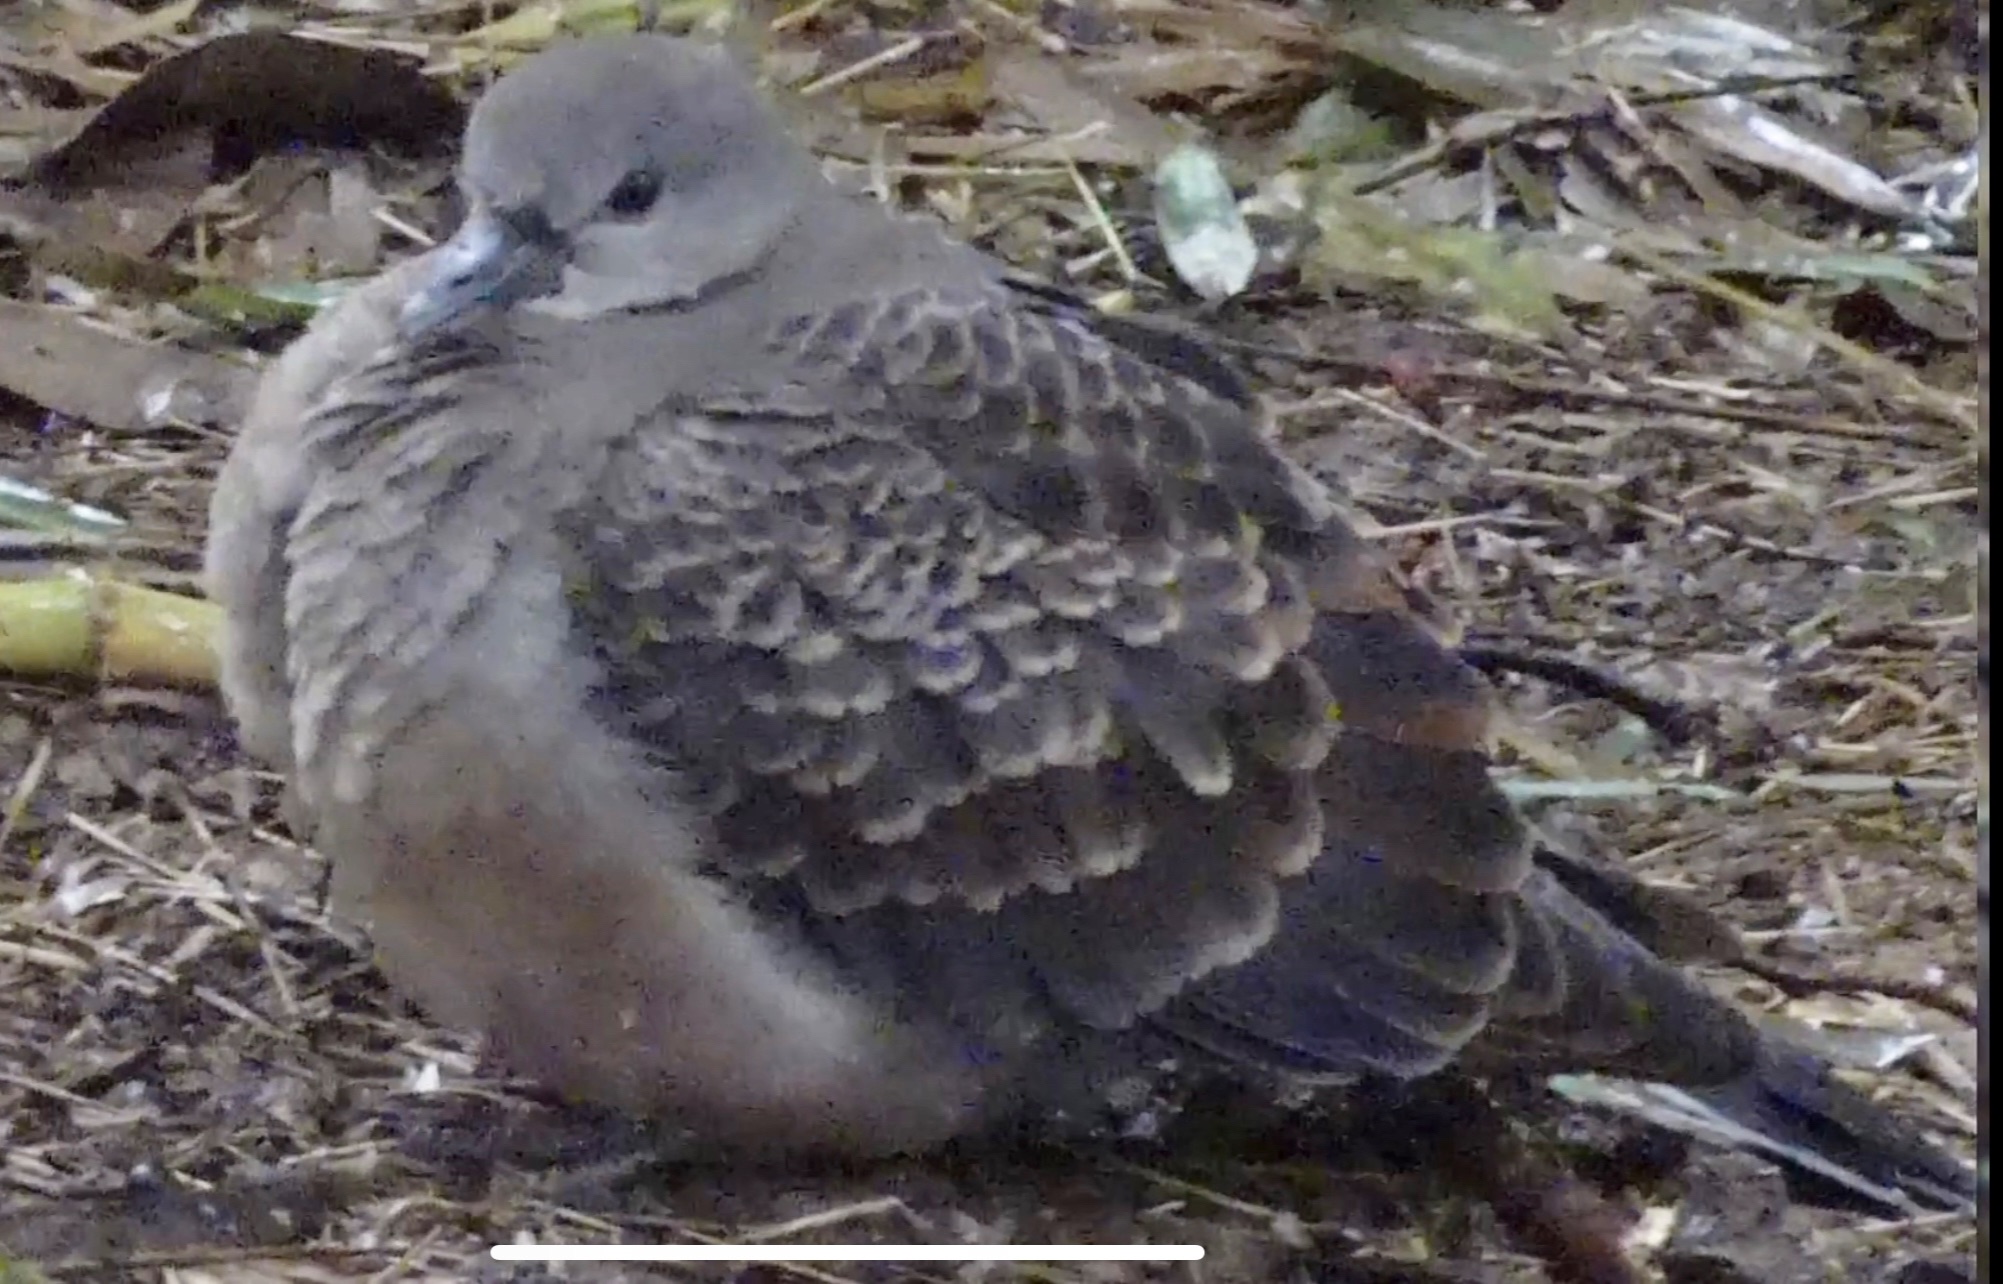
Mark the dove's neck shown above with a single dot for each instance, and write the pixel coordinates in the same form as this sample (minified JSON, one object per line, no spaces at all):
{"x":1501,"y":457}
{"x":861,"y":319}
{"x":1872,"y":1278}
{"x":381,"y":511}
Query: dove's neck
{"x":853,"y":246}
{"x":699,"y":311}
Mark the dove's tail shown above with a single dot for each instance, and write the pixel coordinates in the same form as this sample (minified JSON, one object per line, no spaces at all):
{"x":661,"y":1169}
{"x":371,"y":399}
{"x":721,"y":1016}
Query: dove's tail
{"x":1787,"y":1103}
{"x":1427,"y":930}
{"x":1843,"y":1146}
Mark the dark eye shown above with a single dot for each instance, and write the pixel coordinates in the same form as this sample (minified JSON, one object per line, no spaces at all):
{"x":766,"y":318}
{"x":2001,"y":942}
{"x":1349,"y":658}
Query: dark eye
{"x":635,"y":194}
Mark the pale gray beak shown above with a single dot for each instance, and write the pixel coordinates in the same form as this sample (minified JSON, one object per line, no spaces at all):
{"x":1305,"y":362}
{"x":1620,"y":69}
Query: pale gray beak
{"x":488,"y":263}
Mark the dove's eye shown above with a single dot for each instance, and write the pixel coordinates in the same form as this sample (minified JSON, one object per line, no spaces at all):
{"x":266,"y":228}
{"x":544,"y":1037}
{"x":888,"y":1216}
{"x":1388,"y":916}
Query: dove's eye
{"x":635,"y":194}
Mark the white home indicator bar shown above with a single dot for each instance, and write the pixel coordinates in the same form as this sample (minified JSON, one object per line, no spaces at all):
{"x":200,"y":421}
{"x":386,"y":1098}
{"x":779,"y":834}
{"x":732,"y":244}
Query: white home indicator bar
{"x":848,"y":1252}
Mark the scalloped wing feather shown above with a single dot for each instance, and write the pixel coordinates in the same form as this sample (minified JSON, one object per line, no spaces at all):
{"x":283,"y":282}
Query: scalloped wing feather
{"x":975,"y":625}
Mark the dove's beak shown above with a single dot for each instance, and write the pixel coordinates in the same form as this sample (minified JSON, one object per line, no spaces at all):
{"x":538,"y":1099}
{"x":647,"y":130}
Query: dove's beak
{"x":488,"y":263}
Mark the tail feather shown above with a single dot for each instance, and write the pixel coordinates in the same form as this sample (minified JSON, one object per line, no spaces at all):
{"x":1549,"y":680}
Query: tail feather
{"x":1775,"y":1096}
{"x":1840,"y":1148}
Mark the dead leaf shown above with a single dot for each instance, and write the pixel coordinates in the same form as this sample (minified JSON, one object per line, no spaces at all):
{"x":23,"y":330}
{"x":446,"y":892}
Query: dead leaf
{"x":256,"y":91}
{"x":1489,"y":58}
{"x":62,"y":363}
{"x":122,"y":28}
{"x":294,"y":217}
{"x":1065,"y":100}
{"x":130,"y":213}
{"x":1740,"y":127}
{"x":103,"y":205}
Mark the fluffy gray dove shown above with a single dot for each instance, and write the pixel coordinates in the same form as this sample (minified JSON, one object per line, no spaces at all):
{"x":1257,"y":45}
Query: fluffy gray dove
{"x":768,"y":669}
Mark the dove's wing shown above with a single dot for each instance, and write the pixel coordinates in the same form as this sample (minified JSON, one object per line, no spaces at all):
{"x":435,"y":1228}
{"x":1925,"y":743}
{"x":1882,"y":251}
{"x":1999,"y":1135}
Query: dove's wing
{"x":1039,"y":669}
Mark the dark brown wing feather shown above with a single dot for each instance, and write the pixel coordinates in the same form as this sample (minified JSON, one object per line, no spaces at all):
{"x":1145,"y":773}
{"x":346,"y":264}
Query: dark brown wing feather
{"x":1036,"y":683}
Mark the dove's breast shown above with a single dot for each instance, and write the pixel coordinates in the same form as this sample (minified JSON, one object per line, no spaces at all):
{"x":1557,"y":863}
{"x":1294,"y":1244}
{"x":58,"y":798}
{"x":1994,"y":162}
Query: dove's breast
{"x":515,"y":861}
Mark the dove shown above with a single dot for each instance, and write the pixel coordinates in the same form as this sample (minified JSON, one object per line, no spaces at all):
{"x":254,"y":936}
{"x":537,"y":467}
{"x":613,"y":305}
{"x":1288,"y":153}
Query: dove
{"x":768,"y":667}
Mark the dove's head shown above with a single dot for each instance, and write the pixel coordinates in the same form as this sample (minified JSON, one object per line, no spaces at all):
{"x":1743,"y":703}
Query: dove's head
{"x":615,"y":173}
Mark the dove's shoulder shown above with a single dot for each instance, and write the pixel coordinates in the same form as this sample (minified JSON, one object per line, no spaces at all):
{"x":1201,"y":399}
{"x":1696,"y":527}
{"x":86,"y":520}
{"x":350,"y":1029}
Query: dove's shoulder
{"x":1080,"y":425}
